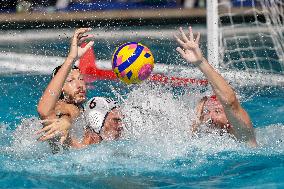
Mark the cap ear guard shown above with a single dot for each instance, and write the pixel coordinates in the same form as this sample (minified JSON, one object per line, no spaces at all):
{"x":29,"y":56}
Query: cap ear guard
{"x":96,"y":111}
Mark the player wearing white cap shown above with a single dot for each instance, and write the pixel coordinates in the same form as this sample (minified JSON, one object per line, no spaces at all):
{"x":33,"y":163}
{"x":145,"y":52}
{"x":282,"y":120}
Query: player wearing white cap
{"x":103,"y":118}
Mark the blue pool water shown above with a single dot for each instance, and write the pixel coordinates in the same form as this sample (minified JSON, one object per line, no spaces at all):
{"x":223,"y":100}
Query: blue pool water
{"x":156,"y":150}
{"x":159,"y":159}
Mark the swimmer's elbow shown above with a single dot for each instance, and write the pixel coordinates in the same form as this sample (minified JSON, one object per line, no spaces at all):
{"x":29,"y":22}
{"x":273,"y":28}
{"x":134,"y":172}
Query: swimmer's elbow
{"x":43,"y":112}
{"x":230,"y":100}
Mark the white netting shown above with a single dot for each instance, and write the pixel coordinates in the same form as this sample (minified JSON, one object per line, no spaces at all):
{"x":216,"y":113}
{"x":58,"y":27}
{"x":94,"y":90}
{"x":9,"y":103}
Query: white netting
{"x":251,"y":37}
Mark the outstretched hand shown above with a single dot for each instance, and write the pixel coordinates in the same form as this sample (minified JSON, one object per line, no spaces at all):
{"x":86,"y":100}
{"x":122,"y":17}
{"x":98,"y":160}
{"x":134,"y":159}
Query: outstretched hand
{"x":190,"y":50}
{"x":75,"y":50}
{"x":55,"y":127}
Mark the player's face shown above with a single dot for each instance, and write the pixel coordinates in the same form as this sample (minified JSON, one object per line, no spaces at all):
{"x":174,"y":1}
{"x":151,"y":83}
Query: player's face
{"x":214,"y":111}
{"x":112,"y":126}
{"x":74,"y":87}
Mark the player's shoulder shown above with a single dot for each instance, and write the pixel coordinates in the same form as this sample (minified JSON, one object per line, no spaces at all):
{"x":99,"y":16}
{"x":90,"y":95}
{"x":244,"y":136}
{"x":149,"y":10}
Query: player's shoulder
{"x":64,"y":108}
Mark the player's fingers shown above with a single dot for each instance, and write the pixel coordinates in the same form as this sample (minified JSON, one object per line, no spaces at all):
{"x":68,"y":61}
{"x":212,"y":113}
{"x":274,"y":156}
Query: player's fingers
{"x":63,"y":138}
{"x":180,"y":42}
{"x":197,"y":38}
{"x":190,"y":34}
{"x":46,"y":137}
{"x":181,"y":52}
{"x":84,"y":37}
{"x":185,"y":39}
{"x":48,"y":121}
{"x":81,"y":31}
{"x":46,"y":128}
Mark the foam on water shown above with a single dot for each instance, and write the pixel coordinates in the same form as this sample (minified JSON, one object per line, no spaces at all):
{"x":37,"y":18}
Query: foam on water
{"x":156,"y":138}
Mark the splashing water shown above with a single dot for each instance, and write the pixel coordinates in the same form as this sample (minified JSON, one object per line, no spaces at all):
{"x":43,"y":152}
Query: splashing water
{"x":24,"y":140}
{"x":157,"y":149}
{"x":155,"y":118}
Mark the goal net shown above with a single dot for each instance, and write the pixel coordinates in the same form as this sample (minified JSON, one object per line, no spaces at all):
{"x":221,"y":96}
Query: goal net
{"x":250,"y":38}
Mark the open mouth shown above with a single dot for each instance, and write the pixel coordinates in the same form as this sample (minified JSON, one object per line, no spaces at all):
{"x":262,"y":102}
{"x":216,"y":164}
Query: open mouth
{"x":81,"y":92}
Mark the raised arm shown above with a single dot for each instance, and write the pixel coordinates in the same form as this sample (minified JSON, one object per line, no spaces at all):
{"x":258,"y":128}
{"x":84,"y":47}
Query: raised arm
{"x":236,"y":115}
{"x":51,"y":94}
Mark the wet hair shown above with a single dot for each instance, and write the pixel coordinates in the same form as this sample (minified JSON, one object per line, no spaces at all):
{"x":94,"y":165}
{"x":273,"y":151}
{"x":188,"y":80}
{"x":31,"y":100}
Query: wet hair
{"x":55,"y":71}
{"x":201,"y":104}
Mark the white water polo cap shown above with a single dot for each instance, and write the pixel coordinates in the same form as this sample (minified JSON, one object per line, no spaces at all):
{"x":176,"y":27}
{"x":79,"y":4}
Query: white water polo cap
{"x":96,"y":111}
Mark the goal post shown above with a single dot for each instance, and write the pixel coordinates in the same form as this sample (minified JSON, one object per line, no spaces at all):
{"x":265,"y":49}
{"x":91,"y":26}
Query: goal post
{"x":212,"y":33}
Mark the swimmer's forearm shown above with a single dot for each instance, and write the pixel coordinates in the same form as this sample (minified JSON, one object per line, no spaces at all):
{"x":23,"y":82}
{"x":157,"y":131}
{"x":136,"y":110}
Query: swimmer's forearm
{"x":51,"y":94}
{"x":242,"y":127}
{"x":246,"y":134}
{"x":222,"y":89}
